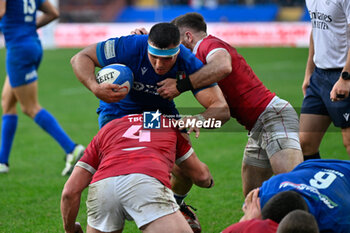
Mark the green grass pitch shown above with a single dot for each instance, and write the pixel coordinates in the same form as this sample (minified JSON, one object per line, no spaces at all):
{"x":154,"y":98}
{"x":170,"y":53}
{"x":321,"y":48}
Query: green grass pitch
{"x":30,"y":193}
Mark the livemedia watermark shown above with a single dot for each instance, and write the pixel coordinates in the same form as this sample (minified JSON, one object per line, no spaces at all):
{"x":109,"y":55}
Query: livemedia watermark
{"x":153,"y":120}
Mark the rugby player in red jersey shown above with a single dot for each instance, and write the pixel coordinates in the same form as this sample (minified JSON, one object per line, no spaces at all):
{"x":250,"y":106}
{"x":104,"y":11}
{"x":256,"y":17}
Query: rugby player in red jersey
{"x":273,"y":145}
{"x":127,"y":169}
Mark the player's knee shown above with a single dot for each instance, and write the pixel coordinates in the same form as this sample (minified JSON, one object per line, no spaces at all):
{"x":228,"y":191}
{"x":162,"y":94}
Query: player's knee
{"x":30,"y":111}
{"x":309,"y":145}
{"x":308,"y":148}
{"x":7,"y":106}
{"x":26,"y":111}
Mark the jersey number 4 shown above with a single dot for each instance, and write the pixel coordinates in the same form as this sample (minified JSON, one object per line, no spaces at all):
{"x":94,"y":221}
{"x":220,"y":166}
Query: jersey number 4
{"x":135,"y":132}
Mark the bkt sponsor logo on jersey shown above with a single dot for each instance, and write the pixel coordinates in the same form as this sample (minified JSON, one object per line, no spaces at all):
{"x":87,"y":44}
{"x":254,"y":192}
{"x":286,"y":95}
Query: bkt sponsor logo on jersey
{"x":151,"y":120}
{"x":151,"y":89}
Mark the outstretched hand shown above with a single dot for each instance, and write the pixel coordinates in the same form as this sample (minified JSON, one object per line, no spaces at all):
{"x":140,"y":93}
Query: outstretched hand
{"x":168,"y":89}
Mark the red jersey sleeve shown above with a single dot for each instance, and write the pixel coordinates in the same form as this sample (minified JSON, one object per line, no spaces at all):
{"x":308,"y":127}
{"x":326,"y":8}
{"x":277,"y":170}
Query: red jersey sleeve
{"x":90,"y":159}
{"x":208,"y":47}
{"x":183,"y":148}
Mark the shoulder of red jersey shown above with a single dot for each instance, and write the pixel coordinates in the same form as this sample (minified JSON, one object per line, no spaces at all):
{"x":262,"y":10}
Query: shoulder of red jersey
{"x":213,"y":42}
{"x":210,"y":45}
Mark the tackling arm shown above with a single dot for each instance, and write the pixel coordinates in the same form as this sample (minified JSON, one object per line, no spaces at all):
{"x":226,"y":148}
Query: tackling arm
{"x":218,"y":67}
{"x":70,"y":200}
{"x":213,"y":100}
{"x":216,"y":108}
{"x":50,"y":13}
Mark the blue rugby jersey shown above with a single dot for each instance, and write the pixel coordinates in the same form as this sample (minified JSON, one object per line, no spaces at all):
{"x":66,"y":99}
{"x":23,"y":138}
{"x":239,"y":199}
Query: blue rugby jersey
{"x":324,"y":184}
{"x":132,"y":52}
{"x":19,"y":22}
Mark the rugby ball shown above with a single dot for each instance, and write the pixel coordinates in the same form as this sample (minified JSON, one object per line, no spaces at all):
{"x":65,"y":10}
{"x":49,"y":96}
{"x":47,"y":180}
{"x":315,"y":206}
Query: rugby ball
{"x":117,"y":74}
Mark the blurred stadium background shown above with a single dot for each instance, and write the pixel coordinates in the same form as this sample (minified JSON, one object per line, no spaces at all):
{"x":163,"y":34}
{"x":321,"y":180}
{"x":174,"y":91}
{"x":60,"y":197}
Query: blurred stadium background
{"x":239,"y":22}
{"x":273,"y":37}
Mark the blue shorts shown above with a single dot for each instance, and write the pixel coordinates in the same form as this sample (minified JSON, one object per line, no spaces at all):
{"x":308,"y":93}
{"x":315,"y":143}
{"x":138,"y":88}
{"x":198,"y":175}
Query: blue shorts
{"x":317,"y":99}
{"x":105,"y":118}
{"x":23,"y":62}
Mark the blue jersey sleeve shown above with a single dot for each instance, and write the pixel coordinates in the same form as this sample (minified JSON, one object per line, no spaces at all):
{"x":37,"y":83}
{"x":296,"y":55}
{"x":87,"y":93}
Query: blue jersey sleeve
{"x":125,"y":50}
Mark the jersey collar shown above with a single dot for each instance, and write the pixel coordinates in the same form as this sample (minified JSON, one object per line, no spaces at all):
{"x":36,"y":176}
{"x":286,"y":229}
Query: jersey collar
{"x":197,"y":45}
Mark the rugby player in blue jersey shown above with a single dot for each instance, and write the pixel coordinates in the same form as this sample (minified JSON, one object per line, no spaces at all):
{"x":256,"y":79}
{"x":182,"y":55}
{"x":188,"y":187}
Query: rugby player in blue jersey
{"x":23,"y":57}
{"x":324,"y":186}
{"x":152,"y":58}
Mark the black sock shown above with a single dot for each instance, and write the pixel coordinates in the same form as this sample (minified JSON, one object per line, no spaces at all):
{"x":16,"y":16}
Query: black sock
{"x":314,"y":156}
{"x":179,"y":198}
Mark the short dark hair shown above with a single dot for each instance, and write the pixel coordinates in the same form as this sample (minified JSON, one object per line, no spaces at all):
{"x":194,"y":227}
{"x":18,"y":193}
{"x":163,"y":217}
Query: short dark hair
{"x":191,"y":20}
{"x":163,"y":35}
{"x":298,"y":221}
{"x":281,"y":204}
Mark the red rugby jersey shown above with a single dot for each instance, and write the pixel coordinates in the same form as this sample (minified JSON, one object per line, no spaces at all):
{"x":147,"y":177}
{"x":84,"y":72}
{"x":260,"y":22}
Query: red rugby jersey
{"x":123,"y":147}
{"x":253,"y":226}
{"x":245,"y":94}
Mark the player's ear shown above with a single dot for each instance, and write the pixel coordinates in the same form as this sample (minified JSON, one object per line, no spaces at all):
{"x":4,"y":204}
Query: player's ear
{"x":188,"y":36}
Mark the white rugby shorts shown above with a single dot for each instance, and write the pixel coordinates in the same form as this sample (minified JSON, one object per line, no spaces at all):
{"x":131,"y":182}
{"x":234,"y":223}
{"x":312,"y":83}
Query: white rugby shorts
{"x":137,"y":197}
{"x":276,"y":129}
